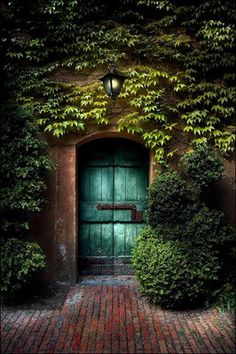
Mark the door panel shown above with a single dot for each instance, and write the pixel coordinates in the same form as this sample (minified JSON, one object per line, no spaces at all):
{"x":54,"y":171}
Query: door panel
{"x":96,"y":187}
{"x":130,"y":183}
{"x":96,"y":183}
{"x":131,"y":230}
{"x":136,"y":155}
{"x":124,"y":238}
{"x":107,"y":240}
{"x":100,"y":242}
{"x":90,"y":214}
{"x":96,"y":240}
{"x":113,"y":179}
{"x":119,"y":240}
{"x":84,"y":244}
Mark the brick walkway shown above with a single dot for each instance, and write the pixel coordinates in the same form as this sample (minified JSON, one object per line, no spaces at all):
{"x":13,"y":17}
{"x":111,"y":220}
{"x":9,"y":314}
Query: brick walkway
{"x":111,"y":317}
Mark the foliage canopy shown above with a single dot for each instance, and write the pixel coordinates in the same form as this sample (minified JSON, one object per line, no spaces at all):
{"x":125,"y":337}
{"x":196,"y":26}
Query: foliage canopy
{"x":169,"y":200}
{"x":178,"y":56}
{"x":203,"y":166}
{"x":169,"y":273}
{"x":20,"y":262}
{"x":24,"y":164}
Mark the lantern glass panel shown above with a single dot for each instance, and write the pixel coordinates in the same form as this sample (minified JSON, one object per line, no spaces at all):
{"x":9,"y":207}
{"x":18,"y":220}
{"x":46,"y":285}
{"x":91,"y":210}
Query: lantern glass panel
{"x":113,"y":83}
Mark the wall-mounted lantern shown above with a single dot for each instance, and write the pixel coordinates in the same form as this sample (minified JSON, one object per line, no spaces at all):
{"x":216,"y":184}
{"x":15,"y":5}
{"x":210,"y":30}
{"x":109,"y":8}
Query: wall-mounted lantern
{"x":113,"y":82}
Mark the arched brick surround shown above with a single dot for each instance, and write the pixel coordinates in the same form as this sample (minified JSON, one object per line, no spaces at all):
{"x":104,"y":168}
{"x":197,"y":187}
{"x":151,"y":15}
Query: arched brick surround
{"x":57,"y":229}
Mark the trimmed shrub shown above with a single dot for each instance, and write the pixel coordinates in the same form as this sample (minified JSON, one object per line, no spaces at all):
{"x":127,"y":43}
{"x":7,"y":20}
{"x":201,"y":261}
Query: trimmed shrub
{"x":169,"y":200}
{"x":208,"y":227}
{"x":203,"y":166}
{"x":224,"y":298}
{"x":24,"y":166}
{"x":172,"y":273}
{"x":184,"y":254}
{"x":166,"y":232}
{"x":20,"y":262}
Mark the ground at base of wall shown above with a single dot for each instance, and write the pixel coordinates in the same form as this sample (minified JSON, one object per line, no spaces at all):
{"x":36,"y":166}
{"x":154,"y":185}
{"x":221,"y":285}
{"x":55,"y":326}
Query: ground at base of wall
{"x":39,"y":297}
{"x":109,"y":315}
{"x":107,"y":280}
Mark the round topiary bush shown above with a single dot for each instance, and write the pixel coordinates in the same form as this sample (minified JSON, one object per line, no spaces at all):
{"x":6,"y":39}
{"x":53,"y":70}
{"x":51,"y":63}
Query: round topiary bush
{"x":179,"y":258}
{"x":20,"y":262}
{"x":171,"y":273}
{"x":169,"y":200}
{"x":206,"y":226}
{"x":203,"y":165}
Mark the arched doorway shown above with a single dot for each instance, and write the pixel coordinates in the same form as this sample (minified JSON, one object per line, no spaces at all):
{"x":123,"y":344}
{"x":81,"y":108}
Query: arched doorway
{"x":112,"y":186}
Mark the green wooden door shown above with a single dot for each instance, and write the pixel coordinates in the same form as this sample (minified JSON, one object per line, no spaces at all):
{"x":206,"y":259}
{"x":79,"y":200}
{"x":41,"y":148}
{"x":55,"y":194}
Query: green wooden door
{"x":113,"y":180}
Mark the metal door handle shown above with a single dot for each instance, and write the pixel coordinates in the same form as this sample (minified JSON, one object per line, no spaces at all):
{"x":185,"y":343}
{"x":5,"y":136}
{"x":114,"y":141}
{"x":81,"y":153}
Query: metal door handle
{"x":136,"y":216}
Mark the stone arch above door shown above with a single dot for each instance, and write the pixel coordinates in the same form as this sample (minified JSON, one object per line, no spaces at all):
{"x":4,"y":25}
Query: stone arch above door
{"x":62,"y":250}
{"x":81,"y":140}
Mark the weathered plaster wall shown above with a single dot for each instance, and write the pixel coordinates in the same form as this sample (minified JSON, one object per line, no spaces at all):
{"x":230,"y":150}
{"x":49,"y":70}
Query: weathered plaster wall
{"x":65,"y":213}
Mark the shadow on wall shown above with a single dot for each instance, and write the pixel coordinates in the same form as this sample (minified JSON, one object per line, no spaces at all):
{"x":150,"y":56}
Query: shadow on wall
{"x":225,"y":192}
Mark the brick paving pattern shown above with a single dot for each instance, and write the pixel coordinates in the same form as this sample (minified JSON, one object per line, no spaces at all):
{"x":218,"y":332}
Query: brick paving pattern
{"x":112,"y":317}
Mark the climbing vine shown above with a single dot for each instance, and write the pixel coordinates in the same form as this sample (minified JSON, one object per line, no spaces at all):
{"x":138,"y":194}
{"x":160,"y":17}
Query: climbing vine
{"x":178,"y":56}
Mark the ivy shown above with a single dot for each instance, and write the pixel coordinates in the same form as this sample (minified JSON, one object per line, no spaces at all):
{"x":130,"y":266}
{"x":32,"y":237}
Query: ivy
{"x":24,"y":166}
{"x":178,"y":56}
